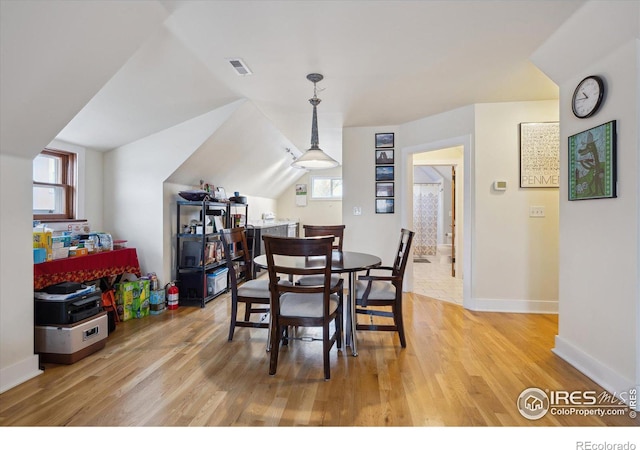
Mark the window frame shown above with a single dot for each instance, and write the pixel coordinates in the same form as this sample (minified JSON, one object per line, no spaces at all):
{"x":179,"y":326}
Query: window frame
{"x":68,"y":179}
{"x":331,"y":178}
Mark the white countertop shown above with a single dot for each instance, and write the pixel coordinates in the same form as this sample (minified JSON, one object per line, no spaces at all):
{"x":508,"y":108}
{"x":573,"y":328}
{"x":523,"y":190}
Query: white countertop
{"x":272,"y":223}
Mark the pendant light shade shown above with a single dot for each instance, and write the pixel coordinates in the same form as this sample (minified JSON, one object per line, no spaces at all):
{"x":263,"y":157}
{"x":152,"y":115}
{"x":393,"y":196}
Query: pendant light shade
{"x":314,"y":158}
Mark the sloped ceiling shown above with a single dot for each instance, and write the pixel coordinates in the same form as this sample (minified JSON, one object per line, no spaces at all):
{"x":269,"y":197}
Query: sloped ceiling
{"x":109,"y":82}
{"x":55,"y":56}
{"x":222,"y":159}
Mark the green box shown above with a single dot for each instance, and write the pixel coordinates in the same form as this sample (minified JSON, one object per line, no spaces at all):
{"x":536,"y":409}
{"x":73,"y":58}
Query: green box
{"x":132,"y":299}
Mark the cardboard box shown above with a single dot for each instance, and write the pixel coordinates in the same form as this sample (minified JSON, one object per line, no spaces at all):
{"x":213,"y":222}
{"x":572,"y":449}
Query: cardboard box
{"x":141,"y":305}
{"x":78,"y":251}
{"x":132,"y":299}
{"x":44,"y":239}
{"x":39,"y":255}
{"x":59,"y":253}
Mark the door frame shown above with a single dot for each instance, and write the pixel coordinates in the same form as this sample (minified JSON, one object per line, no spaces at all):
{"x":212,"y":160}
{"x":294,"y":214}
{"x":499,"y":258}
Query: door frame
{"x":468,"y":204}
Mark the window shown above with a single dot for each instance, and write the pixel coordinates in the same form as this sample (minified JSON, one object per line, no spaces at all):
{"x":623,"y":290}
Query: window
{"x":54,"y":185}
{"x":326,"y":188}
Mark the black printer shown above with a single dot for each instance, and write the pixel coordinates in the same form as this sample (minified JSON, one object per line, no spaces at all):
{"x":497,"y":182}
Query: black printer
{"x":67,"y":308}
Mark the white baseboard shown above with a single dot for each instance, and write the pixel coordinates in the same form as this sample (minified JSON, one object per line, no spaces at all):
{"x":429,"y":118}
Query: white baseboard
{"x":609,"y":379}
{"x":18,"y":373}
{"x":513,"y":306}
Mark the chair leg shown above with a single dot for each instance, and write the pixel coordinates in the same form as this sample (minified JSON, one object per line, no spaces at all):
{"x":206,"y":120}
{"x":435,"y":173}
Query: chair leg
{"x":269,"y":336}
{"x":247,"y":311}
{"x":274,"y":348}
{"x":399,"y":321}
{"x":326,"y":348}
{"x":234,"y":312}
{"x":338,"y":321}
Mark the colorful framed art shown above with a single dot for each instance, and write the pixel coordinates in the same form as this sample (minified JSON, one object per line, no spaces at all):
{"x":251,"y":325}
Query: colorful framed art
{"x":592,"y":163}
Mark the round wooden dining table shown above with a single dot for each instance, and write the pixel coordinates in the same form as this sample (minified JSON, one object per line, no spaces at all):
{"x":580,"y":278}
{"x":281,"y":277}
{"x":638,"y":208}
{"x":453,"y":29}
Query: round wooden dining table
{"x":341,"y":262}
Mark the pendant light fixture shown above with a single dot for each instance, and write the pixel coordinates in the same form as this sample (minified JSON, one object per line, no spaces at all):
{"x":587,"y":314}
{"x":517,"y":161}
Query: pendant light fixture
{"x":314,"y":158}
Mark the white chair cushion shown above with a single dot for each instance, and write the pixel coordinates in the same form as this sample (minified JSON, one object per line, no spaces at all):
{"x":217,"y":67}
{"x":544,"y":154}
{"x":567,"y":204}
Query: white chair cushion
{"x":380,"y":290}
{"x":257,"y":288}
{"x":305,"y":305}
{"x":316,"y":280}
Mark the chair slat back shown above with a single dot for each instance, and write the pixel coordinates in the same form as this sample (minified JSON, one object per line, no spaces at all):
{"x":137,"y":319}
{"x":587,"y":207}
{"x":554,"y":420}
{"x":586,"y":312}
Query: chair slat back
{"x":235,"y":246}
{"x":315,"y":259}
{"x":337,"y":231}
{"x":404,"y":248}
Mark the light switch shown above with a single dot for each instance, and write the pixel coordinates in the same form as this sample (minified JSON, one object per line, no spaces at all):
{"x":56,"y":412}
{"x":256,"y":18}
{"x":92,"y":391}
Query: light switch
{"x":536,"y":211}
{"x":500,"y":185}
{"x":357,"y":211}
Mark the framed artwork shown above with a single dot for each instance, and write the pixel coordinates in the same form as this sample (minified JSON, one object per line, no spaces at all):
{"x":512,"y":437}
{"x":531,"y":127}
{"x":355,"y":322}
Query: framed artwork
{"x":592,"y":163}
{"x":384,"y":173}
{"x":384,"y":206}
{"x":384,"y":156}
{"x":301,"y":195}
{"x":540,"y":155}
{"x":384,"y":189}
{"x":384,"y":140}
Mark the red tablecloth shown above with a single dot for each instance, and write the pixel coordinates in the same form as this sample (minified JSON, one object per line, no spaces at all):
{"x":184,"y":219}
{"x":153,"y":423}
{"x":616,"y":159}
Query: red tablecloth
{"x":85,"y":268}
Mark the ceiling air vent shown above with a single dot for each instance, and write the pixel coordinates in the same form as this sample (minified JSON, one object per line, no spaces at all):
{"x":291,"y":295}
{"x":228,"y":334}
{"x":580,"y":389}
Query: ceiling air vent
{"x":240,"y":67}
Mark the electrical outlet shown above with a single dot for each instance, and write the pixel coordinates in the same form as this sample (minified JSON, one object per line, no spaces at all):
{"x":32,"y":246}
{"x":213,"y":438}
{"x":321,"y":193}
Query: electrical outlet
{"x":536,"y":211}
{"x":357,"y":211}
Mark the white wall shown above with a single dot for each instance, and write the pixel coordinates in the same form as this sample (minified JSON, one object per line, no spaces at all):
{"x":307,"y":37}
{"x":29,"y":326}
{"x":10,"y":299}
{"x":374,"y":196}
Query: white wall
{"x":17,"y":360}
{"x":137,"y":206}
{"x":317,"y":212}
{"x":369,"y":232}
{"x":260,"y":205}
{"x":527,"y":261}
{"x":599,"y":255}
{"x":516,"y":264}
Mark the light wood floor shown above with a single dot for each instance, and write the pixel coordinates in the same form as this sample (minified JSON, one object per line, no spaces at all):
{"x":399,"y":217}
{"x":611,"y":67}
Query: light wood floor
{"x":460,"y":368}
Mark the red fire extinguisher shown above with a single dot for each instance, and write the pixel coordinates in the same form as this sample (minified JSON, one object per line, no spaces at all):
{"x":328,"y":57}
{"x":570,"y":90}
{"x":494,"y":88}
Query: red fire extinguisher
{"x":172,"y":296}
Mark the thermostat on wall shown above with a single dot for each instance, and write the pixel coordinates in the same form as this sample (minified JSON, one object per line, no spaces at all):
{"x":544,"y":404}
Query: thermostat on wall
{"x":500,"y":185}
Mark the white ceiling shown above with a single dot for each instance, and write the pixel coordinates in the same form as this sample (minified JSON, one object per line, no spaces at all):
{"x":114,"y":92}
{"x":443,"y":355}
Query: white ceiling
{"x":384,"y":63}
{"x":102,"y":74}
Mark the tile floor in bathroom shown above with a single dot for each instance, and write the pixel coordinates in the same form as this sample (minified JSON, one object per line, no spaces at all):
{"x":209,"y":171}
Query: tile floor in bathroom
{"x":434,"y":280}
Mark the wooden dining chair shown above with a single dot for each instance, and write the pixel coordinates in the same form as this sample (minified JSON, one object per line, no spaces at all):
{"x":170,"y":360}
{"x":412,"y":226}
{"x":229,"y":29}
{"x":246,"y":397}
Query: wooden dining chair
{"x":302,"y":305}
{"x":376,"y":293}
{"x":253,"y":293}
{"x":337,"y":231}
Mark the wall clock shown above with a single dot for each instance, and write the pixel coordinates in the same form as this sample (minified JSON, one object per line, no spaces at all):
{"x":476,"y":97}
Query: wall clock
{"x":587,"y":97}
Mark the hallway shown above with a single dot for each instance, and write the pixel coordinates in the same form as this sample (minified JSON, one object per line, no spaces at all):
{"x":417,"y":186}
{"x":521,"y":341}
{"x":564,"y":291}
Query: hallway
{"x":434,"y":280}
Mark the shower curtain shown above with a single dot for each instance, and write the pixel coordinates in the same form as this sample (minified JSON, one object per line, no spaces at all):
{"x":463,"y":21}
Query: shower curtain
{"x":426,"y":199}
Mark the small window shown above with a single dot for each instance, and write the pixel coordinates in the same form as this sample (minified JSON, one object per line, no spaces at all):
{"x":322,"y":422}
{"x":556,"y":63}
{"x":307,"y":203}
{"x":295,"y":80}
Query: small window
{"x":326,"y":188}
{"x":54,"y":185}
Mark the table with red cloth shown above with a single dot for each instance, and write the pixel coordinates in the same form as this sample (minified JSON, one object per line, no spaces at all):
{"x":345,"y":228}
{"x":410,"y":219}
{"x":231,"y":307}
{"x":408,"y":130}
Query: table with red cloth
{"x":86,"y":268}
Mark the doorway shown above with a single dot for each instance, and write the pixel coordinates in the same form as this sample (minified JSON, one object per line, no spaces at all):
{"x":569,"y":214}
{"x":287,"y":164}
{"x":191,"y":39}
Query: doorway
{"x":435,"y":202}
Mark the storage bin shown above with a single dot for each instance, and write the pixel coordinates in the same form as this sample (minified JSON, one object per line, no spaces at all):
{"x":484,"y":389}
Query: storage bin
{"x":217,"y":281}
{"x":68,"y":344}
{"x":157,"y":301}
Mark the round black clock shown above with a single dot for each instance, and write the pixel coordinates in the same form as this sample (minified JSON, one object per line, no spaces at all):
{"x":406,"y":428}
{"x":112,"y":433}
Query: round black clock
{"x":588,"y":96}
